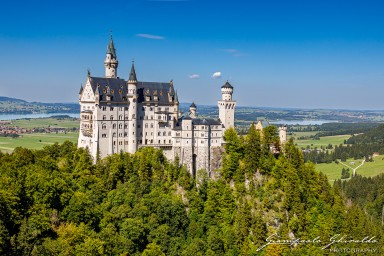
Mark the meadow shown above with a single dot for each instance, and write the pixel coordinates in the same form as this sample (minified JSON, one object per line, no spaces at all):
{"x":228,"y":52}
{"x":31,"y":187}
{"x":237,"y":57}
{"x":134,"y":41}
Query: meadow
{"x":36,"y":140}
{"x":46,"y":122}
{"x":369,"y":169}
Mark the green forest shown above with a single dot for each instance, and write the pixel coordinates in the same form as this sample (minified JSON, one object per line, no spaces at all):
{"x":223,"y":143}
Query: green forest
{"x":56,"y":201}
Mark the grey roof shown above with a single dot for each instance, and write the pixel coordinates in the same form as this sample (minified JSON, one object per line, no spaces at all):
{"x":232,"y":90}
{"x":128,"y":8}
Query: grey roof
{"x":206,"y":121}
{"x":111,"y":49}
{"x":132,"y":74}
{"x":193,"y":105}
{"x":117,"y":88}
{"x":227,"y":85}
{"x":109,"y":86}
{"x":81,"y":89}
{"x":151,"y":89}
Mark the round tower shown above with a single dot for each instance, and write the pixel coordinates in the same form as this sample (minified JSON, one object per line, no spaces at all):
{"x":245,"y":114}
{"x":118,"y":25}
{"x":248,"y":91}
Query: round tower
{"x":111,"y":62}
{"x":132,"y":120}
{"x":283,"y":134}
{"x":192,"y":110}
{"x":227,"y":106}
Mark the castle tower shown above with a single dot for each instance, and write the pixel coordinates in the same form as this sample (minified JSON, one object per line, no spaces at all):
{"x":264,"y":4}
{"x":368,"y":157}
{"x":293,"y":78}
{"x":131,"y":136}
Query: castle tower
{"x":111,"y":62}
{"x":192,"y":110}
{"x":283,"y":134}
{"x":132,"y":110}
{"x":227,"y":106}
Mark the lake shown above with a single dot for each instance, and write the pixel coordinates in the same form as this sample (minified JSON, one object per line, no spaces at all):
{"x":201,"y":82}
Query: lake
{"x":303,"y":122}
{"x":21,"y":116}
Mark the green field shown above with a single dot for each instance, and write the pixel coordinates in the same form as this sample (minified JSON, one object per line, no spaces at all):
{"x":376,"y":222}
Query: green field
{"x":369,"y":169}
{"x":323,"y":141}
{"x":46,"y":122}
{"x":36,"y":140}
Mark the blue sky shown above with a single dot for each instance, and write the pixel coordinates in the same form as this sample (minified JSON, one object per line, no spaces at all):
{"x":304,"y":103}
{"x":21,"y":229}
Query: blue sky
{"x":308,"y":54}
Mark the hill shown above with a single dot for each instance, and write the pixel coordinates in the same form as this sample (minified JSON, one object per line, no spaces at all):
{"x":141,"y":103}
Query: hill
{"x":2,"y":98}
{"x":56,"y":201}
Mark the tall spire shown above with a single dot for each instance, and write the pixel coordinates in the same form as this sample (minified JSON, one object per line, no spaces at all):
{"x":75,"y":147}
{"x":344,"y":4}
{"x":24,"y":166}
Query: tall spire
{"x":132,"y":74}
{"x":111,"y":62}
{"x":111,"y":48}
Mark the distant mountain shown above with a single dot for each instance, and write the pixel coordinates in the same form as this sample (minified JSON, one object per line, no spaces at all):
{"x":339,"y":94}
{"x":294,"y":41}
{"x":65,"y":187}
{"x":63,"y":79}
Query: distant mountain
{"x":2,"y":98}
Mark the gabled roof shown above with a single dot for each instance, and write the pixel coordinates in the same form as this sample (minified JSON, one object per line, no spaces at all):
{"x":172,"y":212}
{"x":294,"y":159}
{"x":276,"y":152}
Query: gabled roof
{"x":206,"y":121}
{"x":193,"y":105}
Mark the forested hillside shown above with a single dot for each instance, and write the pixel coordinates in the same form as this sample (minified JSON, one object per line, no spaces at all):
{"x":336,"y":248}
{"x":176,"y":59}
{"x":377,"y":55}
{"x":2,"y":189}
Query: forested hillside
{"x":55,"y":201}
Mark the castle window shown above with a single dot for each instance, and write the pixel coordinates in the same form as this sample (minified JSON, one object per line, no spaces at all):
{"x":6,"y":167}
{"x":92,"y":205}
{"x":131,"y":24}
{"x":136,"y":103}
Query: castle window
{"x":169,"y":133}
{"x":151,"y":141}
{"x":164,"y":142}
{"x":164,"y":133}
{"x":114,"y":126}
{"x":114,"y":134}
{"x":133,"y":133}
{"x":143,"y":108}
{"x":120,"y":143}
{"x":120,"y":126}
{"x":169,"y":141}
{"x":159,"y":133}
{"x":125,"y":134}
{"x":104,"y":108}
{"x":111,"y":108}
{"x":126,"y":117}
{"x":120,"y":135}
{"x":125,"y":142}
{"x":120,"y":117}
{"x":167,"y":109}
{"x":104,"y":117}
{"x":120,"y":108}
{"x":151,"y":108}
{"x":126,"y":108}
{"x":202,"y":142}
{"x":159,"y":117}
{"x":133,"y":116}
{"x":114,"y":143}
{"x":126,"y":126}
{"x":151,"y":125}
{"x":146,"y":125}
{"x":111,"y":117}
{"x":138,"y":126}
{"x":159,"y":141}
{"x":202,"y":135}
{"x":103,"y":126}
{"x":151,"y":117}
{"x":103,"y":135}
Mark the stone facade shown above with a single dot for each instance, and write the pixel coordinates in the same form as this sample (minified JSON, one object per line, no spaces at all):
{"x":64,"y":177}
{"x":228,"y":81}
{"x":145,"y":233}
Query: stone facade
{"x":120,"y":115}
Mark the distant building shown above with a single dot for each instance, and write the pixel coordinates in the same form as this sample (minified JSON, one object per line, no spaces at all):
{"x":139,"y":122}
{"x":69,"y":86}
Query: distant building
{"x":124,"y":115}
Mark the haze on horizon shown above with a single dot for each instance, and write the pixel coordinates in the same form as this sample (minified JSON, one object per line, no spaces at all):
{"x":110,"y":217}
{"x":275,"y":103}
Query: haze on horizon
{"x":292,"y":54}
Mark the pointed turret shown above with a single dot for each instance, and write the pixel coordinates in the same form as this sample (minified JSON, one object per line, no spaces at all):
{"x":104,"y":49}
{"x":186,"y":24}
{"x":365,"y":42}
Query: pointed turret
{"x":111,"y":62}
{"x":81,"y":89}
{"x":111,"y":48}
{"x":132,"y":74}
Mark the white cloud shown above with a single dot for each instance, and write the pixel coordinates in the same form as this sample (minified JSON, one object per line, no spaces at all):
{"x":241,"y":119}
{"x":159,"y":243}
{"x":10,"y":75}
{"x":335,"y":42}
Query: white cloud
{"x":151,"y":36}
{"x":216,"y":75}
{"x":194,"y":76}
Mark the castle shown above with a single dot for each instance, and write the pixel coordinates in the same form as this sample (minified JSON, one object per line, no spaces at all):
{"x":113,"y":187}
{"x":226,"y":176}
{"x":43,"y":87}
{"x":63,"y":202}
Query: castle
{"x":123,"y":116}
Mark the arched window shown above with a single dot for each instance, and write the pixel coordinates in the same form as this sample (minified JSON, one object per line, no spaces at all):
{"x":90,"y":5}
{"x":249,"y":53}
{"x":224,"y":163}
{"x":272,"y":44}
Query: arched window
{"x":120,"y":126}
{"x":146,"y":125}
{"x":169,"y":133}
{"x":111,"y":117}
{"x":114,"y":134}
{"x":164,"y":133}
{"x":103,"y":126}
{"x":104,"y":117}
{"x":114,"y":126}
{"x":125,"y":126}
{"x":120,"y":117}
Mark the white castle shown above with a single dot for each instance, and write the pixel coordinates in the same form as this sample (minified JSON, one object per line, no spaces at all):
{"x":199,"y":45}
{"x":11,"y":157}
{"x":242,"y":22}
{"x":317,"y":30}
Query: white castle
{"x":122,"y":116}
